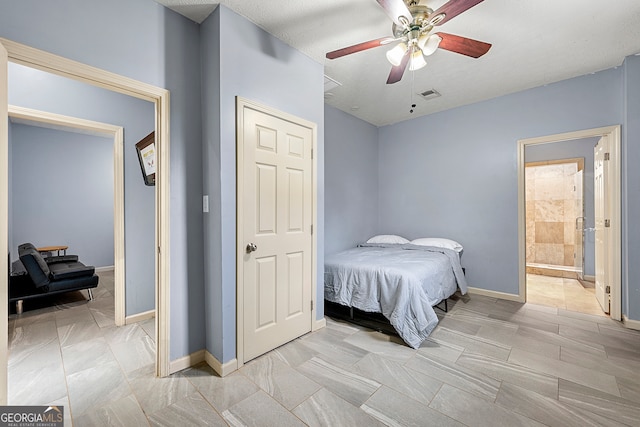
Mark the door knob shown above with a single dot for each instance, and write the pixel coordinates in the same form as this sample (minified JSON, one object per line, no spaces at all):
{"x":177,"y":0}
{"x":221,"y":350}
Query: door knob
{"x":251,"y":247}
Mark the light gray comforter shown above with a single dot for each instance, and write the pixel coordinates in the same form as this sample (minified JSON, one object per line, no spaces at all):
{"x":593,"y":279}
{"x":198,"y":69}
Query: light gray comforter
{"x":403,"y":282}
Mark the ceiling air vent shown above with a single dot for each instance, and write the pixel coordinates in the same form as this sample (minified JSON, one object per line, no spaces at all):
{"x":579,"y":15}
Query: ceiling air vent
{"x":430,"y":94}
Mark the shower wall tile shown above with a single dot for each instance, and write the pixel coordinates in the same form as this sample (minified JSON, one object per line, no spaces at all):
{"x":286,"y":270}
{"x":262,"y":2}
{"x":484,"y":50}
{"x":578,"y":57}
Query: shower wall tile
{"x":531,"y":252}
{"x":570,"y":211}
{"x":568,"y":255}
{"x":529,"y":174}
{"x":530,"y":233}
{"x":549,"y":253}
{"x":530,"y":210}
{"x":569,"y":233}
{"x":570,"y":168}
{"x":548,"y":189}
{"x":549,"y":210}
{"x":550,"y":232}
{"x":549,"y":171}
{"x":569,"y":184}
{"x":530,"y":188}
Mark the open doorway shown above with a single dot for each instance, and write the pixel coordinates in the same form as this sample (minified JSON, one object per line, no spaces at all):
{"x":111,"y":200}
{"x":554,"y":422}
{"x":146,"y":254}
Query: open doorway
{"x":116,"y":134}
{"x":559,"y":202}
{"x":41,"y":60}
{"x":557,"y":251}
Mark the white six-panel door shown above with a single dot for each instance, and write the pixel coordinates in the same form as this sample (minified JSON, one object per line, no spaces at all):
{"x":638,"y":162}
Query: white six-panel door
{"x":602,"y":230}
{"x":276,"y":191}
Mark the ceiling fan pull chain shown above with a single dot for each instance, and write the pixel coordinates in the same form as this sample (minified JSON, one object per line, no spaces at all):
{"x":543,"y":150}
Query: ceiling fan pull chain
{"x":413,"y":79}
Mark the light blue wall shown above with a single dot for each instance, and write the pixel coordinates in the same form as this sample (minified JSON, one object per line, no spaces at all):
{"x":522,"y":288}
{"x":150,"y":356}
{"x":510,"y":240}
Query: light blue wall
{"x":145,"y":41}
{"x":62,"y":191}
{"x":351,"y":180}
{"x":566,"y":150}
{"x":454,"y":174}
{"x":257,"y":66}
{"x":631,"y":188}
{"x":47,"y":92}
{"x":211,"y":68}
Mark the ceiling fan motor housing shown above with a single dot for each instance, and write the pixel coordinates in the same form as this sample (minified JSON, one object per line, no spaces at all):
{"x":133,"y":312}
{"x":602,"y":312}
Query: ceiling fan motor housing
{"x":420,"y":15}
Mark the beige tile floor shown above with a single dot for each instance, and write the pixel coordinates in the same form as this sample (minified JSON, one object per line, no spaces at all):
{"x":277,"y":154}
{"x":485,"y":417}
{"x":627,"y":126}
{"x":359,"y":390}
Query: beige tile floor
{"x":489,"y":362}
{"x":562,"y":293}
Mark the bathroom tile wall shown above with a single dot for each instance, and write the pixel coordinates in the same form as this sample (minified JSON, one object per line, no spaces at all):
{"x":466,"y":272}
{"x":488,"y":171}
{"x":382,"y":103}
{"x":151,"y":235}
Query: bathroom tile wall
{"x":551,"y":213}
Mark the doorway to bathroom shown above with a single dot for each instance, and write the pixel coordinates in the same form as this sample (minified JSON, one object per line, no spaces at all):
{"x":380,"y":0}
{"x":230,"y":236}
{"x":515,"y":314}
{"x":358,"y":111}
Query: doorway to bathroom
{"x":560,"y":263}
{"x":560,"y":205}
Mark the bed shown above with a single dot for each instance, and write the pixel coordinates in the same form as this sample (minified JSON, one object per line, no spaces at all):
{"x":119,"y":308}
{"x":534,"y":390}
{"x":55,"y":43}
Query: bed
{"x":402,"y":281}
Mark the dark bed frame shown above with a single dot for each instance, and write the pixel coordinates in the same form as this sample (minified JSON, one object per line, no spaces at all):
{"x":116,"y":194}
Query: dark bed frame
{"x":375,"y":321}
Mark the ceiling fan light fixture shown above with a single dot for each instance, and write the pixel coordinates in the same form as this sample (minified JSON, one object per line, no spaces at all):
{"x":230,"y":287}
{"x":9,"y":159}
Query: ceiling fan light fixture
{"x":417,"y":60}
{"x":429,"y":44}
{"x":395,"y":55}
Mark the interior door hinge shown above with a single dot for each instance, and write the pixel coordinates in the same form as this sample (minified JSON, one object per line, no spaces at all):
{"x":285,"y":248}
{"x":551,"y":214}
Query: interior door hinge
{"x":607,"y":289}
{"x":607,"y":223}
{"x":312,"y":229}
{"x":607,"y":156}
{"x":158,"y":249}
{"x":312,"y":154}
{"x":311,"y":305}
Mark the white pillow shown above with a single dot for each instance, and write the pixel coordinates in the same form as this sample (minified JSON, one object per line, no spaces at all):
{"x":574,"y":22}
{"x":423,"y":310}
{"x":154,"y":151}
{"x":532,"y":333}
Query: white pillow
{"x":387,"y":238}
{"x":438,"y":242}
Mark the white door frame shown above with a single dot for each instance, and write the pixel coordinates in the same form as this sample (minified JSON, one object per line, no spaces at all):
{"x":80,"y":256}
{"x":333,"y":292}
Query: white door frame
{"x":44,"y":61}
{"x":241,"y":104}
{"x":4,"y":220}
{"x":615,"y":209}
{"x":47,"y":119}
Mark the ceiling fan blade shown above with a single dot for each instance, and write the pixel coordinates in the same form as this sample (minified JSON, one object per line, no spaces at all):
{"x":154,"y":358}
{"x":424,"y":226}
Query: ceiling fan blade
{"x":395,"y":9}
{"x":453,"y":8}
{"x":398,"y":71}
{"x":463,"y":45}
{"x":359,"y":47}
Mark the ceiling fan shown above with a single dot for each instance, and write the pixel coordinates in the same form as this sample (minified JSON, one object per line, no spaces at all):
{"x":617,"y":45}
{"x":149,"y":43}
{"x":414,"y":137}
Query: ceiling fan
{"x":413,"y":27}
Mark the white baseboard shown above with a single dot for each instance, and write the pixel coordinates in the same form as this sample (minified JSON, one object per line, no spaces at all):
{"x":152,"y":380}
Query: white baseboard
{"x":222,"y":369}
{"x":319,"y":324}
{"x":135,"y":318}
{"x":203,"y":356}
{"x":105,"y":268}
{"x":496,"y":294}
{"x":630,"y":323}
{"x":186,"y":361}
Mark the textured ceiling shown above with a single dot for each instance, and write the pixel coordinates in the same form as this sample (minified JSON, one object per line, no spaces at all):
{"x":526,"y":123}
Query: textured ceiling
{"x":535,"y":42}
